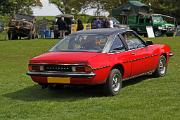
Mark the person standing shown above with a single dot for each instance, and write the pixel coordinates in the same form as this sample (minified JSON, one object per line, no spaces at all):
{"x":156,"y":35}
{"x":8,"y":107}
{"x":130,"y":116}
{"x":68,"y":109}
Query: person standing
{"x":94,"y":22}
{"x":62,"y":26}
{"x":111,"y":23}
{"x":79,"y":25}
{"x":106,"y":23}
{"x":98,"y":23}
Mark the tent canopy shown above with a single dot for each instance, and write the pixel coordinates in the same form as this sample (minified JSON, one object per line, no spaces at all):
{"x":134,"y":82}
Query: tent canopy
{"x":131,"y":7}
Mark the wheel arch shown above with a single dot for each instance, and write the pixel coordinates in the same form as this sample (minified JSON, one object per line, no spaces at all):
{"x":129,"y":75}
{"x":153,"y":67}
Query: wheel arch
{"x":165,"y":55}
{"x":119,"y":67}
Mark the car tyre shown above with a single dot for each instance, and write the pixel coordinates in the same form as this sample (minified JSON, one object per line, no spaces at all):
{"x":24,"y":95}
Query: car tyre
{"x":169,"y":34}
{"x":114,"y":83}
{"x":157,"y":33}
{"x":162,"y":67}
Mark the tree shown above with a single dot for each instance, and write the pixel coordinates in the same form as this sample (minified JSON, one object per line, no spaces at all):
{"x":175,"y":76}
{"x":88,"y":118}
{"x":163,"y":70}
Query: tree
{"x":158,"y":6}
{"x":69,"y":6}
{"x":165,"y":7}
{"x":17,"y":6}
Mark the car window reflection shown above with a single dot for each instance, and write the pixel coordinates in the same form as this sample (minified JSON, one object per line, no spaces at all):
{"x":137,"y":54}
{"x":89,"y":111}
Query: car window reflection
{"x":83,"y":42}
{"x":133,"y":42}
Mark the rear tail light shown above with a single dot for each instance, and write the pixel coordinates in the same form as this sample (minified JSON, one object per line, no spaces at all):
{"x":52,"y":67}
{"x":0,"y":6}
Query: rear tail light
{"x":30,"y":67}
{"x":86,"y":69}
{"x":78,"y":69}
{"x":35,"y":68}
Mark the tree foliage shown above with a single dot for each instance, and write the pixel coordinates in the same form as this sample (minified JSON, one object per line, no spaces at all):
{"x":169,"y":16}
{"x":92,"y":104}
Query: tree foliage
{"x":168,"y":7}
{"x":75,"y":6}
{"x":17,"y":6}
{"x":70,"y":6}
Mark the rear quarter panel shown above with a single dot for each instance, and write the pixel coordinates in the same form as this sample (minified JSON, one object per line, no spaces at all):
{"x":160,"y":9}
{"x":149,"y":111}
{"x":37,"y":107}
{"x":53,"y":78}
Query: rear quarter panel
{"x":158,"y":50}
{"x":101,"y":67}
{"x":103,"y":64}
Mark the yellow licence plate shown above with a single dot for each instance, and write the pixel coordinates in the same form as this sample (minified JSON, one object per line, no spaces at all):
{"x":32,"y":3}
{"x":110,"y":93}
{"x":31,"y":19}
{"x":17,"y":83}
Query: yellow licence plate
{"x":58,"y":80}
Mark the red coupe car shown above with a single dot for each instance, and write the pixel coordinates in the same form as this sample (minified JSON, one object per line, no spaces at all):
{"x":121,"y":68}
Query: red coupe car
{"x":99,"y":56}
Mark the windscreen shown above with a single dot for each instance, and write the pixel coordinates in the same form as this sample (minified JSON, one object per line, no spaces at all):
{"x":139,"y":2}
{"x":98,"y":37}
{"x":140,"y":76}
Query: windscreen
{"x":82,"y":42}
{"x":157,"y":19}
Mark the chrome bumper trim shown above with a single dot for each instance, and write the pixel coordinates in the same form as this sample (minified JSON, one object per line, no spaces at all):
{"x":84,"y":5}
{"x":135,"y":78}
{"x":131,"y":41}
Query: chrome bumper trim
{"x":56,"y":74}
{"x":171,"y":54}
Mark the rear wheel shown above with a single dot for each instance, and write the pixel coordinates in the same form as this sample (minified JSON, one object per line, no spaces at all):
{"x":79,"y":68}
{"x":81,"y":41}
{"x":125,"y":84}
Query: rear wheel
{"x":114,"y":83}
{"x":169,"y":34}
{"x":157,"y":33}
{"x":162,"y":67}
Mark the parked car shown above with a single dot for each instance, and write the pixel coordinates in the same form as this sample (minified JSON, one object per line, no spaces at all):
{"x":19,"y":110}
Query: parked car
{"x":99,"y":56}
{"x":22,"y":25}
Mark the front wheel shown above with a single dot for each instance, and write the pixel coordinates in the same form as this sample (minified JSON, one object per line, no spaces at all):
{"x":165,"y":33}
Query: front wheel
{"x":162,"y":67}
{"x":114,"y":83}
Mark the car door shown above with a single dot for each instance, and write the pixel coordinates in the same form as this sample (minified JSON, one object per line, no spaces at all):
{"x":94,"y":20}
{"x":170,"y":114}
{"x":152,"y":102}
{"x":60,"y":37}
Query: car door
{"x":139,"y":53}
{"x":118,"y":54}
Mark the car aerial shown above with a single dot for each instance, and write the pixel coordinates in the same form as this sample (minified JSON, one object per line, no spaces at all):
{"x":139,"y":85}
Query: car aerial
{"x":99,"y":57}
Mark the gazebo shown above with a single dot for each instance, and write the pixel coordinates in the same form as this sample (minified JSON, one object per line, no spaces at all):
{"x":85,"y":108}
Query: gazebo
{"x":130,"y":8}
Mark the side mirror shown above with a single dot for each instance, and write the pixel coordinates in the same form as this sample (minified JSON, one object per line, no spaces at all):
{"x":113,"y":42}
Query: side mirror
{"x":149,"y":43}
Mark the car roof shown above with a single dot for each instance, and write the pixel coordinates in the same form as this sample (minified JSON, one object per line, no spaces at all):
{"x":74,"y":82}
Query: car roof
{"x":105,"y":31}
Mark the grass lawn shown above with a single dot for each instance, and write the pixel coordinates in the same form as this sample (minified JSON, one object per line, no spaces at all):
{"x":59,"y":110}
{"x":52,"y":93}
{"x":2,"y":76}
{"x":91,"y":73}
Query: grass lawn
{"x":140,"y":99}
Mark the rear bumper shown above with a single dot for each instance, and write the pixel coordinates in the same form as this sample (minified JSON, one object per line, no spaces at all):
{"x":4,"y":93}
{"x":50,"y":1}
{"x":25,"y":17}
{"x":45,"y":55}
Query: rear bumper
{"x":55,"y":74}
{"x":171,"y":54}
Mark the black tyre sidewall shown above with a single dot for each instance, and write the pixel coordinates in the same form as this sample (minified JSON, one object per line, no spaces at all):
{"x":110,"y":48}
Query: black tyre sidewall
{"x":169,"y":34}
{"x":108,"y":87}
{"x":160,"y":33}
{"x":157,"y":72}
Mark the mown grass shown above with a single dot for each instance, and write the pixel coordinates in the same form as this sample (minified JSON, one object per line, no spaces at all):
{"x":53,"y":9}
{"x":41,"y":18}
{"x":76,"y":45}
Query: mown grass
{"x":140,"y":99}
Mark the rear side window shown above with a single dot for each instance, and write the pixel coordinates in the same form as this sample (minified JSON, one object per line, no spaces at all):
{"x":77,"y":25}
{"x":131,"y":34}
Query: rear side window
{"x":117,"y":45}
